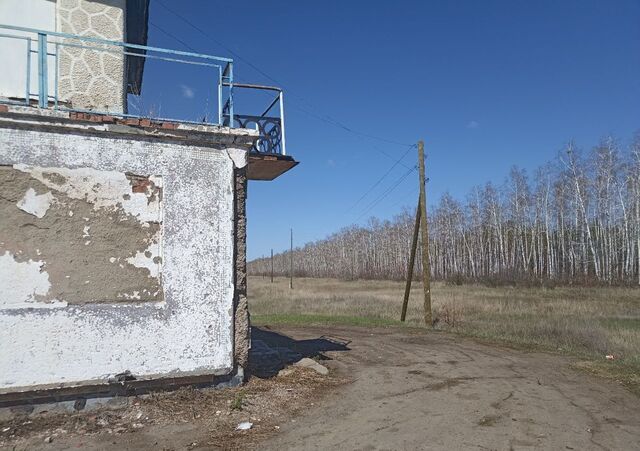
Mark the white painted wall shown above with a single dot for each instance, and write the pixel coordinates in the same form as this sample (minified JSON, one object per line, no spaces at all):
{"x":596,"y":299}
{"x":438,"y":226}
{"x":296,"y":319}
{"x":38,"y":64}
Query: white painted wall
{"x":191,"y":332}
{"x":39,"y":14}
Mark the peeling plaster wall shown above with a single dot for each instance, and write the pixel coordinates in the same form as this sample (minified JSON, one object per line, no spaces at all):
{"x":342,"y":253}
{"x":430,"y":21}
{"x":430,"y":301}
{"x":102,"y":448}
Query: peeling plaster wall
{"x":59,"y":335}
{"x":92,"y":79}
{"x":96,"y":234}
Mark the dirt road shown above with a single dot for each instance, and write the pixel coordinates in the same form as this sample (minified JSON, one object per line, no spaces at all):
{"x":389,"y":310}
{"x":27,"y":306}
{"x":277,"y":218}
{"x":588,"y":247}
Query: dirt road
{"x":434,"y":391}
{"x":405,"y":389}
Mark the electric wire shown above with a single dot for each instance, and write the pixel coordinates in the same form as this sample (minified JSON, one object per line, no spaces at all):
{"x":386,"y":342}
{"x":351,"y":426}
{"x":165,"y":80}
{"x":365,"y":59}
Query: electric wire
{"x":391,"y":168}
{"x":359,"y":135}
{"x":325,"y":118}
{"x":328,"y":119}
{"x":389,"y":190}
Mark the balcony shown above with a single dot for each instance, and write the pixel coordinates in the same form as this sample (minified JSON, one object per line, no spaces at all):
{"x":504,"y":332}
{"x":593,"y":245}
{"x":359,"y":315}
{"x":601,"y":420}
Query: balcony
{"x":87,"y":75}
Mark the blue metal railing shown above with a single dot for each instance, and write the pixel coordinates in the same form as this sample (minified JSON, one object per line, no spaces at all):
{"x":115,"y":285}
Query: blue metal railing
{"x":270,"y":128}
{"x":49,"y":43}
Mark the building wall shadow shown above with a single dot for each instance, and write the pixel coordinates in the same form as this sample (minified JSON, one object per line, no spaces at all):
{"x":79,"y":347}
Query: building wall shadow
{"x":272,"y":351}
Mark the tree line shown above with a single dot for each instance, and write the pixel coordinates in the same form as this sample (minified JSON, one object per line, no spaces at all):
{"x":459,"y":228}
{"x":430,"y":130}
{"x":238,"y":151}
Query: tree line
{"x":575,"y":220}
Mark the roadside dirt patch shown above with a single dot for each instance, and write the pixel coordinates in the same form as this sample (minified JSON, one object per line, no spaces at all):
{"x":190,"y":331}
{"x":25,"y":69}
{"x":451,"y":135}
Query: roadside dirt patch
{"x":388,"y":388}
{"x":184,"y":419}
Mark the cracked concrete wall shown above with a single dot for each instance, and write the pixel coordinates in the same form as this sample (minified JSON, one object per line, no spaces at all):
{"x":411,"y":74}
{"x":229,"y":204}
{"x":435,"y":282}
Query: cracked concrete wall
{"x":92,"y":79}
{"x":137,"y":192}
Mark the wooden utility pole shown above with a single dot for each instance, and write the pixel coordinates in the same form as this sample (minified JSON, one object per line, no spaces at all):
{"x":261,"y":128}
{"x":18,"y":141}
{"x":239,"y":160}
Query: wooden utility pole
{"x":271,"y":265}
{"x":420,"y":224}
{"x":412,"y":259}
{"x":426,"y":267}
{"x":291,"y":262}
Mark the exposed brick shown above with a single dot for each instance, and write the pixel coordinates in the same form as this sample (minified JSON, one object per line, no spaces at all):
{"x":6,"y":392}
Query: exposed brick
{"x":132,"y":121}
{"x":107,"y":118}
{"x":79,"y":116}
{"x":140,"y":186}
{"x":169,"y":125}
{"x":4,"y":108}
{"x":145,"y":122}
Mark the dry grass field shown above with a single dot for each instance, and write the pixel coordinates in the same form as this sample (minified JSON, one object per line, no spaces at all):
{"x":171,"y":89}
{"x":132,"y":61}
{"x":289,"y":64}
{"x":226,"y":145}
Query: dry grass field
{"x":589,"y":323}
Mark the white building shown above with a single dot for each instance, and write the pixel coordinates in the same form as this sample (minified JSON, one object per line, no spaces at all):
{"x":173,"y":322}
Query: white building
{"x":122,"y":239}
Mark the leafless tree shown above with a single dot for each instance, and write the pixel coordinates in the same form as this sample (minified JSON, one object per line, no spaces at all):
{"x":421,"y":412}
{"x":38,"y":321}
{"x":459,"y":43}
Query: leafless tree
{"x":576,"y":220}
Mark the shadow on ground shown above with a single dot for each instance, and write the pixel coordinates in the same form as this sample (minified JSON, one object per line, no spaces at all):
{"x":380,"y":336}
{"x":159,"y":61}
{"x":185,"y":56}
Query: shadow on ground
{"x":272,"y":351}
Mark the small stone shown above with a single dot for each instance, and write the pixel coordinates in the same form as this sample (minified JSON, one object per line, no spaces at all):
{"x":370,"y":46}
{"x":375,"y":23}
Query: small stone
{"x":244,"y":426}
{"x":305,"y":362}
{"x":48,"y":439}
{"x":285,"y":372}
{"x":312,"y":364}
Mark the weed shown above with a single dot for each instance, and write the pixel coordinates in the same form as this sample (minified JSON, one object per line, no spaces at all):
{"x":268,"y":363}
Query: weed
{"x":238,"y":400}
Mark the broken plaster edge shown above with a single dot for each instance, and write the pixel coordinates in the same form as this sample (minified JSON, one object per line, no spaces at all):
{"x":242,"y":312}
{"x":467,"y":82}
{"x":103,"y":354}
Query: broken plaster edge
{"x":244,"y":137}
{"x":104,"y":383}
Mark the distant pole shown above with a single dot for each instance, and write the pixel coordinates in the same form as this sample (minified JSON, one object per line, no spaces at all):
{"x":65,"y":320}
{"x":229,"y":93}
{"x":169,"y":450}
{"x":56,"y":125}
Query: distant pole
{"x":426,"y":268}
{"x":271,"y":265}
{"x":291,"y":262}
{"x":412,"y":259}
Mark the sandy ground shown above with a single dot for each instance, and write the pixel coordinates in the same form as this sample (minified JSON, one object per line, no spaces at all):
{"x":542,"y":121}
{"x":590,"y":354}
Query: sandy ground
{"x":388,"y":389}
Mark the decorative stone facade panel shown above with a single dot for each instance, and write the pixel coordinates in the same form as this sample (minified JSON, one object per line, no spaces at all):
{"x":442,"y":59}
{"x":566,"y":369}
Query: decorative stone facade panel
{"x":92,"y":79}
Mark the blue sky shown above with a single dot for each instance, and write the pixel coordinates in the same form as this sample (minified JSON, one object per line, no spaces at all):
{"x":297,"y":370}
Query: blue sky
{"x":486,"y":84}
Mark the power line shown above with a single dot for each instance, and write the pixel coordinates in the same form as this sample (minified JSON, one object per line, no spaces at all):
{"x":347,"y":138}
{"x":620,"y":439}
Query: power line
{"x":405,"y":196}
{"x":381,"y":178}
{"x":380,"y":198}
{"x":171,"y":35}
{"x":158,"y":27}
{"x":389,"y":190}
{"x":327,"y":119}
